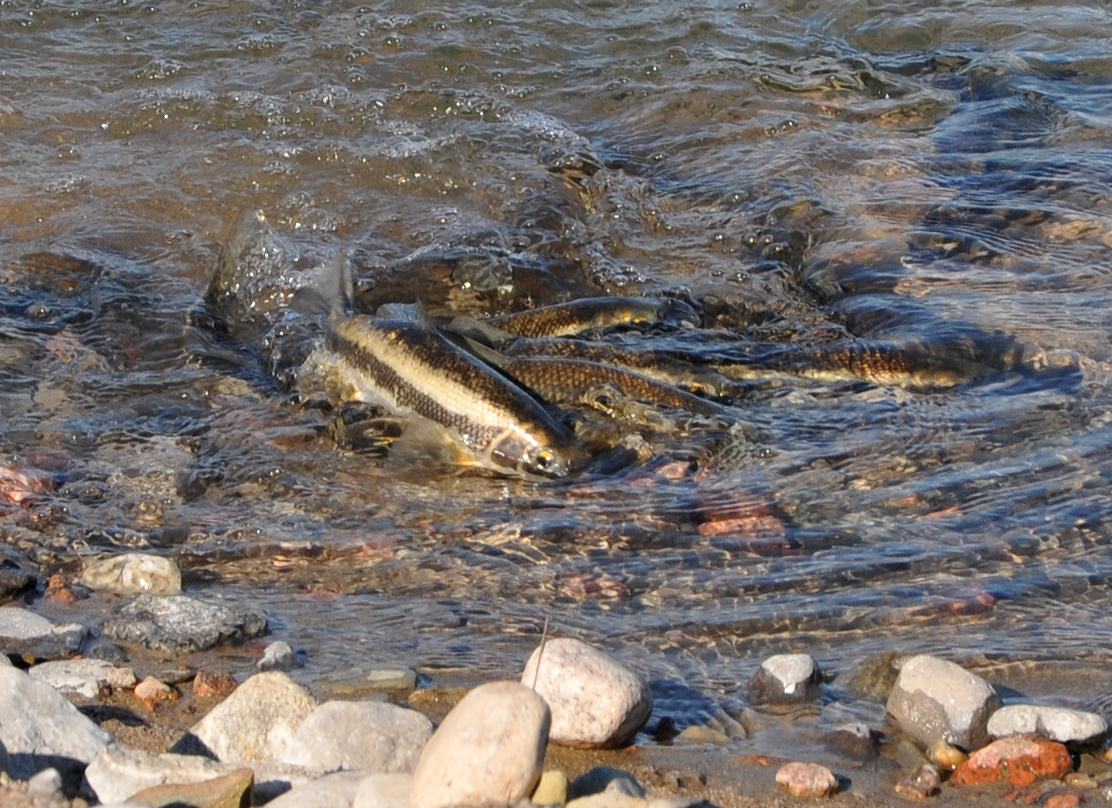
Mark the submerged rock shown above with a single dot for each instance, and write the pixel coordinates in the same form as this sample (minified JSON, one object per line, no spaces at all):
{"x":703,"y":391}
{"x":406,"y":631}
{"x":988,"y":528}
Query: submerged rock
{"x":596,"y":701}
{"x":255,"y":723}
{"x":278,"y":656}
{"x":40,"y":729}
{"x":489,"y":749}
{"x":133,"y":574}
{"x":933,"y":699}
{"x":179,"y":624}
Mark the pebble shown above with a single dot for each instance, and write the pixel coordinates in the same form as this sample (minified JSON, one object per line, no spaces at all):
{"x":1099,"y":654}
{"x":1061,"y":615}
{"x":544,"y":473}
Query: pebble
{"x":46,"y":783}
{"x":596,"y":702}
{"x":489,"y":748}
{"x":368,"y":736}
{"x":384,"y":791}
{"x":1071,"y":727}
{"x":1016,"y":761}
{"x":945,"y":756}
{"x":133,"y":574}
{"x":700,"y":734}
{"x":934,"y":698}
{"x":179,"y":624}
{"x":785,"y":678}
{"x":152,"y":690}
{"x":278,"y":656}
{"x":255,"y":723}
{"x":26,"y":634}
{"x":806,"y":780}
{"x":232,"y":790}
{"x":922,"y":783}
{"x":853,"y":741}
{"x":85,"y":677}
{"x":552,"y":789}
{"x":59,"y":590}
{"x":39,"y":728}
{"x":209,"y":684}
{"x":120,"y":678}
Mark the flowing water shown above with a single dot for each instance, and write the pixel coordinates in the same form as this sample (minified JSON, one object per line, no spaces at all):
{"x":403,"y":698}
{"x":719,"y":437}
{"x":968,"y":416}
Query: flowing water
{"x":800,"y":173}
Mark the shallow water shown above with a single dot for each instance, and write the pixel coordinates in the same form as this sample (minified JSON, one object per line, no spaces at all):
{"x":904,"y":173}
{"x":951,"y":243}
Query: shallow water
{"x":802,"y":173}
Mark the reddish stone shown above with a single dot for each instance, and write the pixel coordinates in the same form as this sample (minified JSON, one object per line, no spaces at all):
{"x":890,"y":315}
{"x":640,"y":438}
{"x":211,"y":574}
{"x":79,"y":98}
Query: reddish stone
{"x":207,"y":684}
{"x":151,"y":691}
{"x":58,"y":589}
{"x":1065,"y":800}
{"x":762,"y":760}
{"x":806,"y":780}
{"x":1016,"y":761}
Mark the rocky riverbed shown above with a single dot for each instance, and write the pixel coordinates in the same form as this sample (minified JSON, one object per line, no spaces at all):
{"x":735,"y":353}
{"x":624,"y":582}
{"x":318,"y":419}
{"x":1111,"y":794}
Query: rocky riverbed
{"x":168,"y":698}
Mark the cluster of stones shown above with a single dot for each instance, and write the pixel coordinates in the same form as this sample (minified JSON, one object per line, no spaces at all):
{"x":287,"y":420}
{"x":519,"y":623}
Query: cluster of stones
{"x":270,"y":739}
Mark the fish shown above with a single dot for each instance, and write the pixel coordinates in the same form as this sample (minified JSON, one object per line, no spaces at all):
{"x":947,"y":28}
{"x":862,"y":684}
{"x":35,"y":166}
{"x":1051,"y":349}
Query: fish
{"x":412,"y":369}
{"x":591,"y":313}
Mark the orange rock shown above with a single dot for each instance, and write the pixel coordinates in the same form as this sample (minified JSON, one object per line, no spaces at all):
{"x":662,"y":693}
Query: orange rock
{"x":207,"y":684}
{"x":806,"y":780}
{"x":1016,"y":761}
{"x":151,"y":691}
{"x":1066,"y":800}
{"x":58,"y":589}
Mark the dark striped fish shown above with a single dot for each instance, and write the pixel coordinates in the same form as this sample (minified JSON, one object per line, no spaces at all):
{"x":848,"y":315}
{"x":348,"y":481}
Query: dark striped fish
{"x":413,"y":369}
{"x":586,"y":314}
{"x":558,"y":379}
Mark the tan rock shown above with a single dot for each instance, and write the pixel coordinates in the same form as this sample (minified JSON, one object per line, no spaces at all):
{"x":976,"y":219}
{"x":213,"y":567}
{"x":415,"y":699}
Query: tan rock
{"x":489,"y":749}
{"x":596,"y":701}
{"x":133,"y":574}
{"x":552,"y":789}
{"x":232,"y":790}
{"x":806,"y":780}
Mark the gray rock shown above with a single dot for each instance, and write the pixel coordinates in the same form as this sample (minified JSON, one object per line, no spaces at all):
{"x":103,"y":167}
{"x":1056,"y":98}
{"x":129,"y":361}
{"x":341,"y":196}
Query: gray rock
{"x":255,"y":723}
{"x":278,"y":656}
{"x":179,"y":624}
{"x":47,"y":783}
{"x":854,"y":741}
{"x":133,"y":574}
{"x":25,"y":633}
{"x":384,"y":791}
{"x":1072,"y":727}
{"x":40,"y":729}
{"x":786,"y":678}
{"x":369,"y":736}
{"x":933,"y":699}
{"x":119,"y":771}
{"x":336,"y":790}
{"x":489,"y":749}
{"x":86,"y":677}
{"x":605,"y":778}
{"x":596,"y":701}
{"x":17,"y":573}
{"x":360,"y":682}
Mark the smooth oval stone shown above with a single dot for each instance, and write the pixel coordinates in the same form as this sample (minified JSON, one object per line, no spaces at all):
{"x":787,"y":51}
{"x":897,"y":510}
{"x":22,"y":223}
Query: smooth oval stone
{"x":489,"y":749}
{"x":1055,"y":723}
{"x":133,"y":574}
{"x":596,"y":702}
{"x":933,"y":699}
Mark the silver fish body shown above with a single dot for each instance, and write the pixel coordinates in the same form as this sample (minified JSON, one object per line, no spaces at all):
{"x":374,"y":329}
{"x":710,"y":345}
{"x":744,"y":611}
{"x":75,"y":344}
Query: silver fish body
{"x":412,"y":369}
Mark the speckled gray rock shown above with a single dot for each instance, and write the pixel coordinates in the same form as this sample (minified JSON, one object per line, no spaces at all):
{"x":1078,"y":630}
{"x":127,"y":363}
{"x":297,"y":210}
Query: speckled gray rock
{"x":255,"y":723}
{"x":336,"y":790}
{"x":363,"y":735}
{"x":133,"y":574}
{"x":489,"y":749}
{"x":120,"y":771}
{"x":278,"y":656}
{"x":179,"y":624}
{"x":384,"y":791}
{"x":785,"y":678}
{"x":24,"y":632}
{"x":86,"y":677}
{"x":933,"y":698}
{"x":40,"y":729}
{"x":596,"y":701}
{"x":1072,"y":727}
